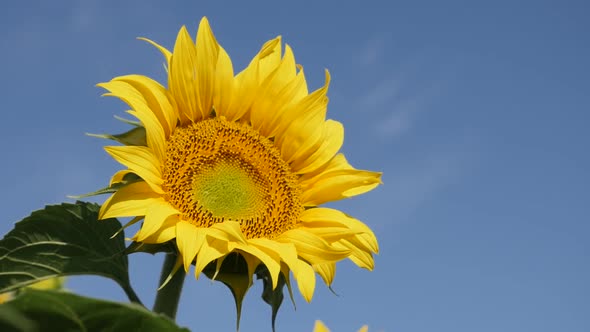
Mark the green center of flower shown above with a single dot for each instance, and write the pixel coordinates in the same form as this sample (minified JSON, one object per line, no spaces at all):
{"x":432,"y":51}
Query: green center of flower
{"x":227,"y":191}
{"x":217,"y":170}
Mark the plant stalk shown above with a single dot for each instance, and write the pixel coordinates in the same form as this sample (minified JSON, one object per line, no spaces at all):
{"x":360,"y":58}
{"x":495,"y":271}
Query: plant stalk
{"x":168,"y":297}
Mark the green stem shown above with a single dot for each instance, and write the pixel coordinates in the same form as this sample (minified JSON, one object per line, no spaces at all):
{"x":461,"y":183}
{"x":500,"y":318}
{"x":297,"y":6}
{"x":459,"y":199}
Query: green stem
{"x":131,"y":294}
{"x":168,"y":297}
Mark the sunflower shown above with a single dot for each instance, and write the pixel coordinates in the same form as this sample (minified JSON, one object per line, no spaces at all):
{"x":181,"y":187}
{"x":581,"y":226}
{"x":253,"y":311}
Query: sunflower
{"x":238,"y":164}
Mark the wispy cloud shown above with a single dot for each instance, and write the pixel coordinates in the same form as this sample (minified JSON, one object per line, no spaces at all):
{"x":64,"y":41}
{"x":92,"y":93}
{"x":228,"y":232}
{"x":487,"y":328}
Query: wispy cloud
{"x":400,"y":119}
{"x":371,"y":52}
{"x":421,"y":180}
{"x":83,"y":15}
{"x":399,"y":101}
{"x":381,"y":94}
{"x":398,"y":98}
{"x":398,"y":107}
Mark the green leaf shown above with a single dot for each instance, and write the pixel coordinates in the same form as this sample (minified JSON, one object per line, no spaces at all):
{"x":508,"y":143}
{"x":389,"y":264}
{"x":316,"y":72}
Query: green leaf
{"x":150,"y":248}
{"x":14,"y":320}
{"x":274,"y":297}
{"x":131,"y":122}
{"x":37,"y":310}
{"x":134,"y":136}
{"x":66,"y":239}
{"x":127,"y":179}
{"x":234,"y":274}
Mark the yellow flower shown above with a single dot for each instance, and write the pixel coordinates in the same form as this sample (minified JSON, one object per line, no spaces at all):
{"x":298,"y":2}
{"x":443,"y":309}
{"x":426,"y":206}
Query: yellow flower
{"x":320,"y":327}
{"x":239,"y":164}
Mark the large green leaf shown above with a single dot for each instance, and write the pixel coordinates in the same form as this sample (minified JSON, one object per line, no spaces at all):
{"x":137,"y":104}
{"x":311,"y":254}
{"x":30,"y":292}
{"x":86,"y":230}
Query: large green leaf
{"x":66,"y":239}
{"x":35,"y":310}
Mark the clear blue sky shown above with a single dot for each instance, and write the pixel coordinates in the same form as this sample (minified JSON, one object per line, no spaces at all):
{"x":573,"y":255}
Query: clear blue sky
{"x":477,"y":114}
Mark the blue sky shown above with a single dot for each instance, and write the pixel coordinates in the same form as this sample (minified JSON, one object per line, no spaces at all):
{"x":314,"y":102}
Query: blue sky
{"x":477,"y":115}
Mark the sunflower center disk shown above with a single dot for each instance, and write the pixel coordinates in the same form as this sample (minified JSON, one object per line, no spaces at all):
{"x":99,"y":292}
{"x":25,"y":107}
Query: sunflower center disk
{"x":227,"y":191}
{"x":217,"y":170}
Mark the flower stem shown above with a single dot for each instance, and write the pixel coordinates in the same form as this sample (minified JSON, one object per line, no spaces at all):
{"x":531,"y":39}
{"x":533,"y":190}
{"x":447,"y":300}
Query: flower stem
{"x":168,"y":297}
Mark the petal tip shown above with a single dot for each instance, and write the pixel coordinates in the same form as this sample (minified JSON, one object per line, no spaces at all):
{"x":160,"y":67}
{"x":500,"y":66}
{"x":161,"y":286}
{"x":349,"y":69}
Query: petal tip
{"x":204,"y":21}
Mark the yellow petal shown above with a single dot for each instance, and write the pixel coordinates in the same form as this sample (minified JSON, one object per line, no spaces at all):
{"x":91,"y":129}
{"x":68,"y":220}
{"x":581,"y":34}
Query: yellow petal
{"x":363,"y":259}
{"x":228,"y":231}
{"x":286,"y":251}
{"x":324,"y":217}
{"x":336,"y":180}
{"x":130,"y":201}
{"x":304,"y":134}
{"x":285,"y":271}
{"x":167,"y":54}
{"x":252,"y":262}
{"x":331,"y":218}
{"x":284,"y":99}
{"x":328,"y":224}
{"x":270,"y":57}
{"x":337,"y":185}
{"x":189,"y":240}
{"x":247,"y":83}
{"x":271,"y":47}
{"x":134,"y":98}
{"x":305,"y":280}
{"x":224,"y":86}
{"x":175,"y":268}
{"x":166,"y":233}
{"x":303,"y":122}
{"x":211,"y":250}
{"x":207,"y":51}
{"x":246,"y":86}
{"x":365,"y":241}
{"x":119,"y":176}
{"x":311,"y":160}
{"x":331,"y":234}
{"x":127,"y":93}
{"x":313,"y":248}
{"x":157,"y":98}
{"x":338,"y":162}
{"x":182,"y":79}
{"x":359,"y":256}
{"x":369,"y":241}
{"x":320,"y":327}
{"x":155,"y":216}
{"x":131,"y":222}
{"x":270,"y":259}
{"x":154,"y":133}
{"x":287,"y":69}
{"x":316,"y":102}
{"x":326,"y":271}
{"x":141,"y":161}
{"x":275,"y":91}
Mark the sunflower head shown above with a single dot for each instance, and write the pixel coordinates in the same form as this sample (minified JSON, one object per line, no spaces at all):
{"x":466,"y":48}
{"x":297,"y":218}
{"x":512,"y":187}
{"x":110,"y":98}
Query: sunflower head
{"x":226,"y":164}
